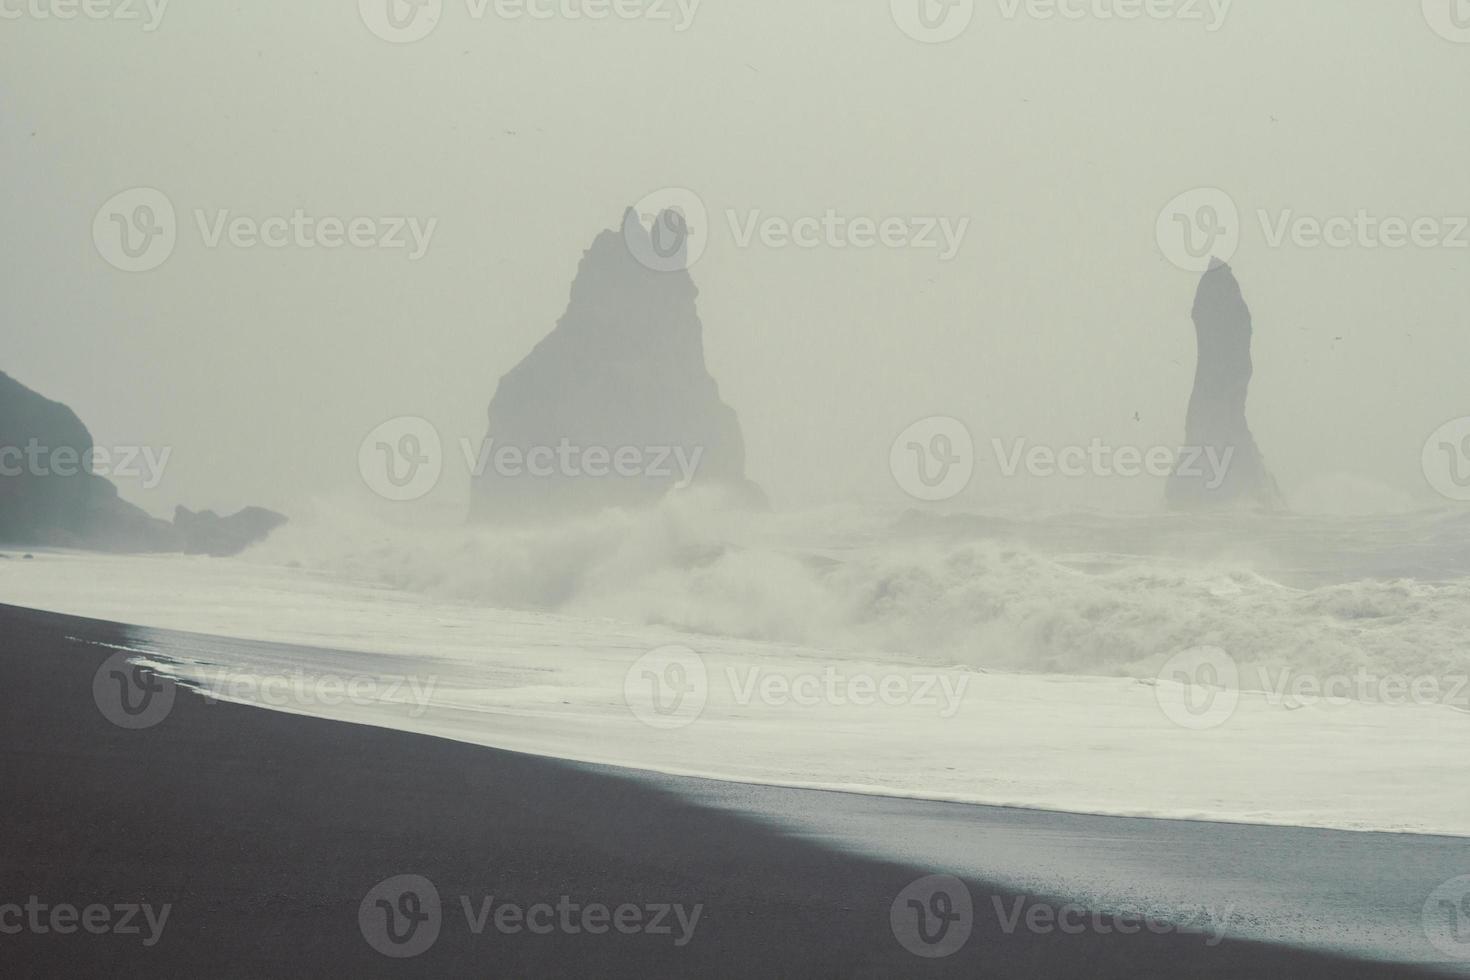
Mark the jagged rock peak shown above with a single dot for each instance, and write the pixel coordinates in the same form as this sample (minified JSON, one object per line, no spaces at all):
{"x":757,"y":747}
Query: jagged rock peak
{"x":622,"y":376}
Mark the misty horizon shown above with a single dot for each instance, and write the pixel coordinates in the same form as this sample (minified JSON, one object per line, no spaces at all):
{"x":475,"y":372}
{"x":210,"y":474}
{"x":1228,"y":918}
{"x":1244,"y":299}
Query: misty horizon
{"x":666,"y":488}
{"x":1055,"y":143}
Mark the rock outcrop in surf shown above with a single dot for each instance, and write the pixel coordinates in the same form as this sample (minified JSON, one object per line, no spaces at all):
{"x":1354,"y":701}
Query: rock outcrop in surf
{"x":50,"y":496}
{"x":615,"y":407}
{"x":1227,"y":468}
{"x":207,"y":533}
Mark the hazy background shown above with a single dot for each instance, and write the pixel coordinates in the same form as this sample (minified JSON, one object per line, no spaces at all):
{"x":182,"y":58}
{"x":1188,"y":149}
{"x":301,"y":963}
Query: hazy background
{"x":1058,"y":320}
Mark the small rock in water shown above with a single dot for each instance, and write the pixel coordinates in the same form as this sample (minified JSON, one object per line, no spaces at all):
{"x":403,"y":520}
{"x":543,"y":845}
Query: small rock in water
{"x":29,"y":557}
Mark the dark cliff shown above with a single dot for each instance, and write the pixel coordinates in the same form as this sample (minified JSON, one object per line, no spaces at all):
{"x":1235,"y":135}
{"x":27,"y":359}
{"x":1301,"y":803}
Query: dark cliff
{"x":49,"y":495}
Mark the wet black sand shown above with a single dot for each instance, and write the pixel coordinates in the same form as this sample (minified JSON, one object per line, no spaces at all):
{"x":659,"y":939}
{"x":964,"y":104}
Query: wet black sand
{"x":265,"y":831}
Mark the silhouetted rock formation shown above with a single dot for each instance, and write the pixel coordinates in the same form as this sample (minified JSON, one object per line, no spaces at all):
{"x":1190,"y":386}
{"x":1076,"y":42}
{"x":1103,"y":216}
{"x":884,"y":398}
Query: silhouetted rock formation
{"x":1229,"y":469}
{"x":50,"y":496}
{"x":615,"y":406}
{"x":206,"y":533}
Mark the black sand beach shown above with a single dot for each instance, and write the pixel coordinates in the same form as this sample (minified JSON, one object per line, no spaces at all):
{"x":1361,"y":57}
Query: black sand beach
{"x":265,"y":832}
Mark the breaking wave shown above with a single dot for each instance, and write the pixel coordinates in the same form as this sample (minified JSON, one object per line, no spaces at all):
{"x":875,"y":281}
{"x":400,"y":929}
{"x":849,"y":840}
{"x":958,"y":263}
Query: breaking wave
{"x":1075,"y":594}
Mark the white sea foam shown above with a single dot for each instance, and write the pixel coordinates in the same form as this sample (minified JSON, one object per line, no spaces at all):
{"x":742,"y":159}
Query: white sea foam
{"x":1075,"y":594}
{"x":1052,"y":630}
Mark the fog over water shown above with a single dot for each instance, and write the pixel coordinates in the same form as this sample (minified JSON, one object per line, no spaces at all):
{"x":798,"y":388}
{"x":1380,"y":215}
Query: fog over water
{"x":922,"y":452}
{"x":1059,"y":319}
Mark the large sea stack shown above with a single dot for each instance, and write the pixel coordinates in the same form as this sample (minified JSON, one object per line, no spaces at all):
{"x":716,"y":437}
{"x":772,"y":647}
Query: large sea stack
{"x":615,"y":407}
{"x":50,"y":497}
{"x":1216,"y":425}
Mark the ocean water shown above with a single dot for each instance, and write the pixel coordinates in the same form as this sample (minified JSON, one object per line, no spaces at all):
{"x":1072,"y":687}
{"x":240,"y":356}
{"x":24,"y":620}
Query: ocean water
{"x":1085,"y":594}
{"x":1028,"y":661}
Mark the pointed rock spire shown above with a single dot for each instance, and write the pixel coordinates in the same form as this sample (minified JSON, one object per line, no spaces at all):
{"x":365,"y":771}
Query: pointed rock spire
{"x":1227,"y":467}
{"x":615,"y":407}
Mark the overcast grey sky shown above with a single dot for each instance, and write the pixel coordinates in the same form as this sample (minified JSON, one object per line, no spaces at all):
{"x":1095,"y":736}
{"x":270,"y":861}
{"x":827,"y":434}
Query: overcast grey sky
{"x":1060,"y":139}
